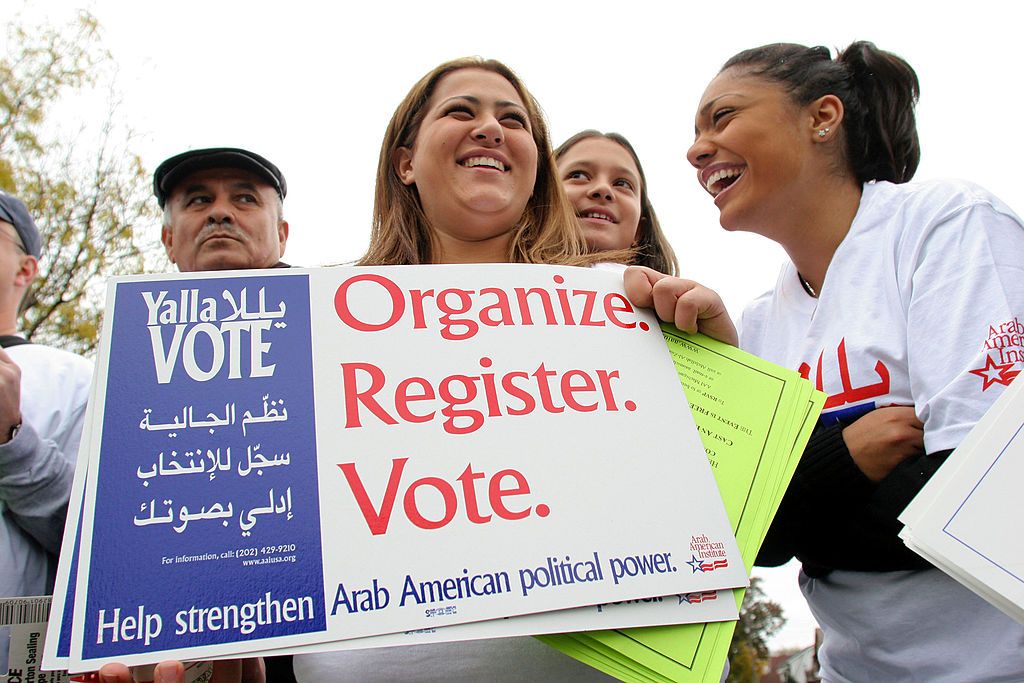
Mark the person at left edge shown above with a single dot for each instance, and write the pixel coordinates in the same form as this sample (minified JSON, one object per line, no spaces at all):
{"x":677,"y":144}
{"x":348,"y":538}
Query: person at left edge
{"x":223,"y":210}
{"x":43,"y":392}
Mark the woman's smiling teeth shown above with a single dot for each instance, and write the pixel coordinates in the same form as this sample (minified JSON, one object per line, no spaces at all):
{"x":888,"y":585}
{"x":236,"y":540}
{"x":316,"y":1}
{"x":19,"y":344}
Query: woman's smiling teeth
{"x":473,"y":162}
{"x":599,"y":215}
{"x":721,"y":179}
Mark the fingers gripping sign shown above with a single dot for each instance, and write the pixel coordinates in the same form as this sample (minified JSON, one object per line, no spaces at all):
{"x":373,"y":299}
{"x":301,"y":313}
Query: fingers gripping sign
{"x":689,"y":305}
{"x":223,"y":671}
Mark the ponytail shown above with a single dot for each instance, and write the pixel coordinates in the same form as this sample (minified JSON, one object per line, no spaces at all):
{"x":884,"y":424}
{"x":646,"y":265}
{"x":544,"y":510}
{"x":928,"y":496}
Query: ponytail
{"x":883,"y":144}
{"x":878,"y":90}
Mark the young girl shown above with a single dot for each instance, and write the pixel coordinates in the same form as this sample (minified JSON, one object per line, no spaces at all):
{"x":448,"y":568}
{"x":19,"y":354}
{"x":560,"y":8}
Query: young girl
{"x":896,"y":295}
{"x":602,"y":175}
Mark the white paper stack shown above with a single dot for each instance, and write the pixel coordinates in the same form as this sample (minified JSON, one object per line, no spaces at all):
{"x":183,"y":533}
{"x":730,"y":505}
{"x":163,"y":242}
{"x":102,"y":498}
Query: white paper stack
{"x":966,"y":520}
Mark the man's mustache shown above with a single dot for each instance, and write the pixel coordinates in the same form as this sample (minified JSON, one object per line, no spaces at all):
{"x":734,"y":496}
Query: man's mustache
{"x":220,"y":229}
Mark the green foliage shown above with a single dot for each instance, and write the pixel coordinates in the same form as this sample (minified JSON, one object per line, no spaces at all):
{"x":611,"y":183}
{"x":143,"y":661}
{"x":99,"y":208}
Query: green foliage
{"x":760,"y":619}
{"x":87,"y":192}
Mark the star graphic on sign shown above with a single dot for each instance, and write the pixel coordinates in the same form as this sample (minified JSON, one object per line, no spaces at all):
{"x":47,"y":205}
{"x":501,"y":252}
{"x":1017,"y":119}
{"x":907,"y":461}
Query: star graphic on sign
{"x":695,"y":564}
{"x":995,"y":373}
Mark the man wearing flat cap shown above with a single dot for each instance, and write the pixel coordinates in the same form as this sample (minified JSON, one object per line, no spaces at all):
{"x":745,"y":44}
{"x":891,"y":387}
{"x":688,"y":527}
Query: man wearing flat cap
{"x":43,"y":392}
{"x":223,"y":210}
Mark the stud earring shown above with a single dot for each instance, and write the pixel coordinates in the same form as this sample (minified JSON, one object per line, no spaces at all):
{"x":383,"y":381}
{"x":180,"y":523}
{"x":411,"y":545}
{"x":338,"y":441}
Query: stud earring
{"x":823,"y":133}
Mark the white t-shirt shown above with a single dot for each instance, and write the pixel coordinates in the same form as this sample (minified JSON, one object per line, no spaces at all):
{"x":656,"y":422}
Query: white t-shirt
{"x":923,"y":305}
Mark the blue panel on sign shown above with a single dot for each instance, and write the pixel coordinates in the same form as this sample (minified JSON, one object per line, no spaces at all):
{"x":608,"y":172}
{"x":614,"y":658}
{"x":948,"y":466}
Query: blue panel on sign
{"x":208,"y":458}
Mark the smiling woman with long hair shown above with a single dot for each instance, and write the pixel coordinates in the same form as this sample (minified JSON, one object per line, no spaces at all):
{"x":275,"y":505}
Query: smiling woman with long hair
{"x":466,"y":175}
{"x":538,"y":226}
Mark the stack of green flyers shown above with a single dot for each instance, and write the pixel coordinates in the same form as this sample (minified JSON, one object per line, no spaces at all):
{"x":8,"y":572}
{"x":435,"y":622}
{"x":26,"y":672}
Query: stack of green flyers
{"x":754,"y":419}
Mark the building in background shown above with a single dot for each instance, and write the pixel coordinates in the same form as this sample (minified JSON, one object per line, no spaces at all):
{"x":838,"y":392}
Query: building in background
{"x":795,"y":667}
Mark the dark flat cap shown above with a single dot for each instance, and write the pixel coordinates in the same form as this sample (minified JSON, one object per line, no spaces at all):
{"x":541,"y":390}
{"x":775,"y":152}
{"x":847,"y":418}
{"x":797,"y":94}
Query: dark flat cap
{"x":171,"y":171}
{"x":13,"y":211}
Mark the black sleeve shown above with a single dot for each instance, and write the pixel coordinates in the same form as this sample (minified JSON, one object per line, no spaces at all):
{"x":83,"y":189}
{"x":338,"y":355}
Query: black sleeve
{"x":826,"y":483}
{"x":834,"y":517}
{"x":895,"y":492}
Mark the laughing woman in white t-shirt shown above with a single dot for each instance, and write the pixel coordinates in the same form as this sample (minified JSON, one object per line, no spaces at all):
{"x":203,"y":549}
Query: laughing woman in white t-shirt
{"x":889,"y":304}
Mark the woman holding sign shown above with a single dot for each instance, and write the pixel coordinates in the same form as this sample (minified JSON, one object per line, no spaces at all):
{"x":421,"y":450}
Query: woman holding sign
{"x":466,"y":175}
{"x":897,"y":294}
{"x":602,"y":175}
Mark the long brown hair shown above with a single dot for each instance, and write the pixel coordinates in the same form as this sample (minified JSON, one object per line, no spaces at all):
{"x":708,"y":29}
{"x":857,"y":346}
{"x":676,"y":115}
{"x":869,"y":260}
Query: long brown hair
{"x":548,"y":231}
{"x":652,"y":248}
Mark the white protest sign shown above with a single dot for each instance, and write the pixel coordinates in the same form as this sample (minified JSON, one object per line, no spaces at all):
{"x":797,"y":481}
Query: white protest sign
{"x":300,"y":456}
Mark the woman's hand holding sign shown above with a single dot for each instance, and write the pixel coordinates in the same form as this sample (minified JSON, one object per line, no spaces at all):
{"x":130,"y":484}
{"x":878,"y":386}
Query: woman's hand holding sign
{"x":689,"y":305}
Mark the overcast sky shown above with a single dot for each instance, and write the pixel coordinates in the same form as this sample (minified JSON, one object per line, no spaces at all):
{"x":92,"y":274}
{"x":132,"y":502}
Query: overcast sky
{"x":312,"y":89}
